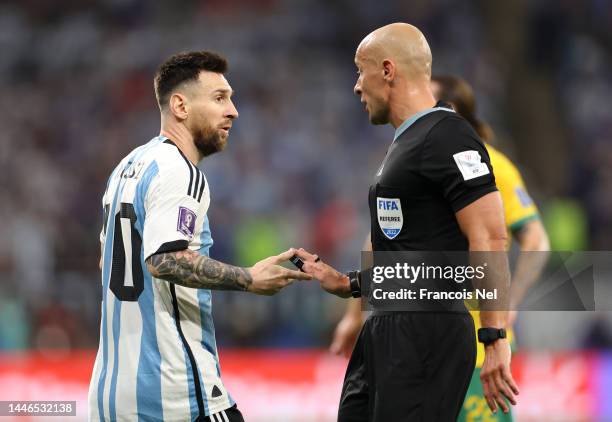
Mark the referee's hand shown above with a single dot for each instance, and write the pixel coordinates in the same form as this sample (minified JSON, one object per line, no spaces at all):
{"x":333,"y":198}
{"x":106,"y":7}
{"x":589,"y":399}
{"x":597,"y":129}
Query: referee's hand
{"x":497,"y":382}
{"x":331,"y":280}
{"x":269,"y":277}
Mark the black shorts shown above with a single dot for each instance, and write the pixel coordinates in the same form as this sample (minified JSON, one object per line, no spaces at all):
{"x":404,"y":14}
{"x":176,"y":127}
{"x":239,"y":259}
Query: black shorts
{"x":409,"y":367}
{"x":228,"y":415}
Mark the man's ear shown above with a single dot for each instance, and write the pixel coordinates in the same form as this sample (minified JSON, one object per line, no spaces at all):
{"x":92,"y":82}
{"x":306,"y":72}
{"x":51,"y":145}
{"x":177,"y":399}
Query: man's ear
{"x":178,"y":105}
{"x":388,"y":70}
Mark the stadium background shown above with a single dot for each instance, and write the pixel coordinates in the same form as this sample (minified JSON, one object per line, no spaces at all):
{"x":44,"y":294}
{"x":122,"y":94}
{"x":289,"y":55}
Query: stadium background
{"x":76,"y":96}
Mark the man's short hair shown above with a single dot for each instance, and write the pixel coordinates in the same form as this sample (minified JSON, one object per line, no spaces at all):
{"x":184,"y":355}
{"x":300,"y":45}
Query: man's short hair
{"x":184,"y":67}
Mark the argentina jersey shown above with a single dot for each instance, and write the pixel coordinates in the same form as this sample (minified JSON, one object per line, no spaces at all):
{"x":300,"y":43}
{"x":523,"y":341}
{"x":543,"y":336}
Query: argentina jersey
{"x":157,"y":358}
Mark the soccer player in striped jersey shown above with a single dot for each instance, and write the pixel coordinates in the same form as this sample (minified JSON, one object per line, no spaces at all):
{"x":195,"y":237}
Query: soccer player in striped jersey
{"x":157,"y":359}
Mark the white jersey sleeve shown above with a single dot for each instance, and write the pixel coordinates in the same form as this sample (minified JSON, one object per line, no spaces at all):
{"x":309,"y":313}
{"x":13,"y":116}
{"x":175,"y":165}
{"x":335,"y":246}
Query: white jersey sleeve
{"x":172,"y":205}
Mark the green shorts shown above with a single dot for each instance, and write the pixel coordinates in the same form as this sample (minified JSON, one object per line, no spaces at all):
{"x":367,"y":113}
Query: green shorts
{"x":475,"y":408}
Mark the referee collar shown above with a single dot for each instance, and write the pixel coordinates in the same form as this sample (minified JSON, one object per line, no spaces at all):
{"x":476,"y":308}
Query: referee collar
{"x":410,"y":120}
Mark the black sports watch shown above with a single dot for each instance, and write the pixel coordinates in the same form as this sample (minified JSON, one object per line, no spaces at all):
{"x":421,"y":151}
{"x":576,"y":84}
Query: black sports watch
{"x":490,"y":335}
{"x":355,"y":283}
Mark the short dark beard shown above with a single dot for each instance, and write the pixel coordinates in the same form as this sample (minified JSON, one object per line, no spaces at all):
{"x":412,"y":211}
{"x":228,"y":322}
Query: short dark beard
{"x":207,"y":140}
{"x":381,"y":117}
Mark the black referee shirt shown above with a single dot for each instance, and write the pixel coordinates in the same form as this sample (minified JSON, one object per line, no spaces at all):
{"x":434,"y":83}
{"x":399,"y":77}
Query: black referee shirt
{"x":435,"y":166}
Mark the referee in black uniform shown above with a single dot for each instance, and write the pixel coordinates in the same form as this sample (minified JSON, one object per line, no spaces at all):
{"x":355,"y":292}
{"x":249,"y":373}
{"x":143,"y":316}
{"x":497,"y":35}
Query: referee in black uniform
{"x":416,"y":366}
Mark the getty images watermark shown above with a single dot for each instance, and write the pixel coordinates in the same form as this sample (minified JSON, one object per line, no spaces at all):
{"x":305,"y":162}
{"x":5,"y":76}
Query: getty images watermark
{"x":452,"y":281}
{"x":422,"y":272}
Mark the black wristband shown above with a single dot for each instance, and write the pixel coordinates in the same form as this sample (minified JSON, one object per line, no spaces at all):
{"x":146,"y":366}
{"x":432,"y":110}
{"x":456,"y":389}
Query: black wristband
{"x":490,"y":335}
{"x":355,"y":283}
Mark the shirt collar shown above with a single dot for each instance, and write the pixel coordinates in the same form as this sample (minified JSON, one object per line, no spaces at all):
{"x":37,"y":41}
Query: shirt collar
{"x":410,"y":120}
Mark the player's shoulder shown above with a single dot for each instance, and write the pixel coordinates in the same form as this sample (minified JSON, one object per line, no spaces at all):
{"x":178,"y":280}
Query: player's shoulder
{"x":126,"y":162}
{"x":170,"y":161}
{"x":503,"y":166}
{"x":162,"y":154}
{"x":498,"y":156}
{"x":140,"y":153}
{"x":175,"y":171}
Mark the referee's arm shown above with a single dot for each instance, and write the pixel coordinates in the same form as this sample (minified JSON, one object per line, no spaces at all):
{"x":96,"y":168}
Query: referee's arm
{"x":483,"y":224}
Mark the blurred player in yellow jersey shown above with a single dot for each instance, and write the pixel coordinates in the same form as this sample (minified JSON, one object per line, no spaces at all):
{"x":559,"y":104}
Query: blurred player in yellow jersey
{"x":524,"y":226}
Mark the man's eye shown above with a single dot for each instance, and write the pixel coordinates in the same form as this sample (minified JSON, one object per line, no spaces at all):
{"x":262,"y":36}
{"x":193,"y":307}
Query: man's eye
{"x":219,"y":99}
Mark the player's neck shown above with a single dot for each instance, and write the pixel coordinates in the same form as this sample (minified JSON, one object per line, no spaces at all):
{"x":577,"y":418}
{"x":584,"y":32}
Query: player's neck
{"x":410,"y":101}
{"x":183,"y":140}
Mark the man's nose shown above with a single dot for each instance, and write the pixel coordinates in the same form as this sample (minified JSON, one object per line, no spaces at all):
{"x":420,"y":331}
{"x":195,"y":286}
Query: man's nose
{"x":357,"y":89}
{"x":232,"y":112}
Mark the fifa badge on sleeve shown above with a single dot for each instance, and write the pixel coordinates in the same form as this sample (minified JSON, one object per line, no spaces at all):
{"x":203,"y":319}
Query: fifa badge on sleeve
{"x":186,"y":222}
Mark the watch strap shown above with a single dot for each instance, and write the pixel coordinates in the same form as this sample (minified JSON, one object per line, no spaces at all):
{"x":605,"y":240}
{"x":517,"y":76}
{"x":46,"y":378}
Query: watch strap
{"x":489,"y":335}
{"x":355,"y":283}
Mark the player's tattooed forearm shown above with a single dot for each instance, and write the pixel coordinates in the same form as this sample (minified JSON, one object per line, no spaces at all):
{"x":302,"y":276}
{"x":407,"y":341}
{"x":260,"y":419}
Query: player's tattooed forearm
{"x":190,"y":269}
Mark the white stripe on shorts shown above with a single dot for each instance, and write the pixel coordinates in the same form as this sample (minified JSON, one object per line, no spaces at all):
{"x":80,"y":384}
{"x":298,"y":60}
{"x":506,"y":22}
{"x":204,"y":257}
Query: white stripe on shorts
{"x":225,"y":419}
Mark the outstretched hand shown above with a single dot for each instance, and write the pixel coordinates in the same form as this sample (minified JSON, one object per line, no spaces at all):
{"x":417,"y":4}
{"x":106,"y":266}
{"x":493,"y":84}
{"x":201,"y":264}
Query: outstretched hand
{"x":331,"y":280}
{"x":269,"y":277}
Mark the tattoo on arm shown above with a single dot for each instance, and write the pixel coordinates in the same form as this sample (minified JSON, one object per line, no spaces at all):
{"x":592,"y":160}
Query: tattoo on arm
{"x":190,"y":269}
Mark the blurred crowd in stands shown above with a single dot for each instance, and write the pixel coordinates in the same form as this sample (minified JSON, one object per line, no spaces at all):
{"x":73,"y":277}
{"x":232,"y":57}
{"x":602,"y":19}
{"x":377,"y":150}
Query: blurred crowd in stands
{"x":77,"y":96}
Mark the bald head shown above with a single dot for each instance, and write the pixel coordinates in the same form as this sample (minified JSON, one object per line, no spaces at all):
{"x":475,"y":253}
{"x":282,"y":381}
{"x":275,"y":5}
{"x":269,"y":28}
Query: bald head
{"x":402,"y":44}
{"x":394,"y":68}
